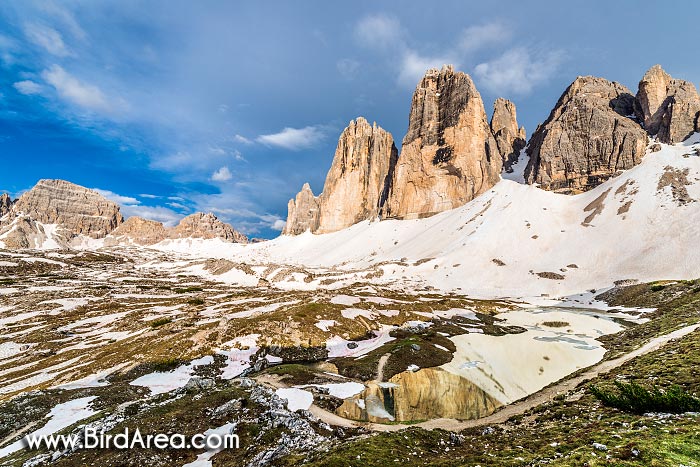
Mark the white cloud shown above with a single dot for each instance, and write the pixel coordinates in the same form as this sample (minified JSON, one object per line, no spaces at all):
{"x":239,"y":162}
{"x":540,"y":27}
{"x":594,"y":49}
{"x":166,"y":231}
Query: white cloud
{"x":279,"y":225}
{"x":27,"y":87}
{"x":149,"y":196}
{"x":483,"y":35}
{"x":117,"y":198}
{"x":517,"y":71}
{"x":348,"y":67}
{"x":379,"y":31}
{"x":222,"y":175}
{"x":242,"y":139}
{"x":293,"y":139}
{"x":156,"y":213}
{"x":47,"y":38}
{"x":414,"y":66}
{"x":70,"y":88}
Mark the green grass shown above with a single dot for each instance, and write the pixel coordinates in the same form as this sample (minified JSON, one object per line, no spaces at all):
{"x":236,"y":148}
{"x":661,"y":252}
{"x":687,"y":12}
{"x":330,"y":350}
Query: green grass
{"x":635,"y":398}
{"x":158,"y":322}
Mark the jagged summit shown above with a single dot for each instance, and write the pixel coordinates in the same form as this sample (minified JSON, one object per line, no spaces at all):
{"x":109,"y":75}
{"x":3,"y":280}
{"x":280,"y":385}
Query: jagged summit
{"x":140,"y":231}
{"x":667,"y":107}
{"x":61,"y":214}
{"x":587,"y":138}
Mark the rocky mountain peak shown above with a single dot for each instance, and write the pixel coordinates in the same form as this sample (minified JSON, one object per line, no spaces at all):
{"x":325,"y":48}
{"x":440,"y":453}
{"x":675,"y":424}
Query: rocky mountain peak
{"x":587,"y":137}
{"x":358,"y":180}
{"x":510,"y":138}
{"x":302,"y":212}
{"x":5,"y":204}
{"x":449,"y":155}
{"x":668,"y":107}
{"x":79,"y":210}
{"x":206,"y":225}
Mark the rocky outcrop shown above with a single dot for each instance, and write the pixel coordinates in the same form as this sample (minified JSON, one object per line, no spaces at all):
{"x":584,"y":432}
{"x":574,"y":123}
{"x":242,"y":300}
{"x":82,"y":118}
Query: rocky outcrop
{"x":358,"y":181}
{"x":139,"y":231}
{"x":587,"y":138}
{"x":509,"y":138}
{"x":302,"y":212}
{"x":77,"y":209}
{"x":669,"y":108}
{"x":5,"y":204}
{"x":449,"y":155}
{"x":207,"y":226}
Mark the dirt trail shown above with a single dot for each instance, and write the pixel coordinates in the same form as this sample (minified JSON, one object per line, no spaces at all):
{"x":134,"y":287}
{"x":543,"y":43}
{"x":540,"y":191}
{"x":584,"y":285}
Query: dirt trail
{"x":380,"y":367}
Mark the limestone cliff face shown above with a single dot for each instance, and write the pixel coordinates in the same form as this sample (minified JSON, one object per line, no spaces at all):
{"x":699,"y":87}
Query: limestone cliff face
{"x":139,"y":231}
{"x":302,"y":212}
{"x":5,"y":204}
{"x":509,"y":138}
{"x":587,"y":138}
{"x":359,"y":178}
{"x":449,"y":155}
{"x":77,"y":209}
{"x":669,"y":108}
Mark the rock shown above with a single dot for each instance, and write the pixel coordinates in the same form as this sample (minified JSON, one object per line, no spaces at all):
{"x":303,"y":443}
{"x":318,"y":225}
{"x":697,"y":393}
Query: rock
{"x":449,"y":155}
{"x":5,"y":204}
{"x":415,"y":347}
{"x":668,"y":107}
{"x":600,"y":447}
{"x":207,"y":226}
{"x":358,"y":181}
{"x":587,"y":138}
{"x":352,"y":345}
{"x":79,"y":210}
{"x":509,"y":138}
{"x":139,"y":231}
{"x":302,"y":212}
{"x":199,"y":384}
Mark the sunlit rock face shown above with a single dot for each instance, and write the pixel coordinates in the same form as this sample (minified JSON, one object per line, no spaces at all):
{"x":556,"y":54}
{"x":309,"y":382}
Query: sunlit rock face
{"x":449,"y":155}
{"x":77,"y":209}
{"x":589,"y":136}
{"x":425,"y":394}
{"x":359,"y":178}
{"x":302,"y":212}
{"x":668,"y":107}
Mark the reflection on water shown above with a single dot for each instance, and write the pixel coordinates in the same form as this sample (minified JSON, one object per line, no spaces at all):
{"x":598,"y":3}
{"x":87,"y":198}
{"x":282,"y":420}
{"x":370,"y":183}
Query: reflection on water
{"x":421,"y":395}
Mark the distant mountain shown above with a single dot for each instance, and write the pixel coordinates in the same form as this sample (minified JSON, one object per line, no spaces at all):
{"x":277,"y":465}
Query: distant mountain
{"x":60,"y":214}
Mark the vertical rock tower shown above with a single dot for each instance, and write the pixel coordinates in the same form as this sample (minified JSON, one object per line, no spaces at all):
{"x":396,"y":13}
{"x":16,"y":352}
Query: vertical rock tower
{"x":449,"y":155}
{"x":358,"y":181}
{"x":509,"y":138}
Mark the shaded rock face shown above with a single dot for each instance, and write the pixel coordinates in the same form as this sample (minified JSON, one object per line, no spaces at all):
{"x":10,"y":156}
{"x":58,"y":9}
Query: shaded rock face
{"x":510,"y":139}
{"x":422,"y":395}
{"x":668,"y":107}
{"x":140,"y":231}
{"x":302,"y":212}
{"x":5,"y":204}
{"x":79,"y":210}
{"x":449,"y":155}
{"x":358,"y":181}
{"x":201,"y":225}
{"x":587,"y":138}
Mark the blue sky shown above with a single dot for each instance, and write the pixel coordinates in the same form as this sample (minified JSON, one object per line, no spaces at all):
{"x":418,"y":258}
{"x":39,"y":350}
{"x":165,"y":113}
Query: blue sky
{"x":171,"y":107}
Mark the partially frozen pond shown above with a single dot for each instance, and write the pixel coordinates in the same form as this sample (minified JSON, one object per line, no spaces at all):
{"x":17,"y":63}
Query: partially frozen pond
{"x":489,"y":371}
